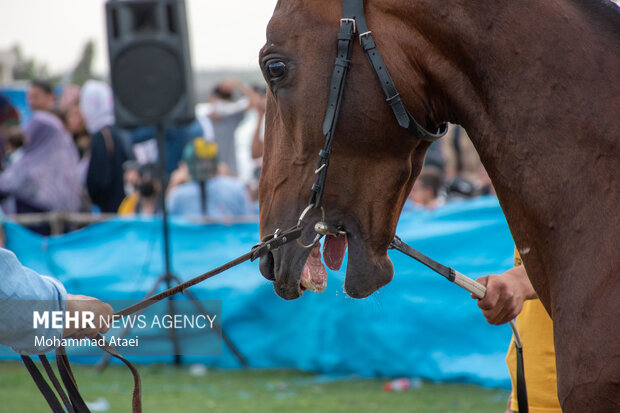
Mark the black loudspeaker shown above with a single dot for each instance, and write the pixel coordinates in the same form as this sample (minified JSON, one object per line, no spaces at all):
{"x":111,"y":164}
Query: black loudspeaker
{"x":150,"y":64}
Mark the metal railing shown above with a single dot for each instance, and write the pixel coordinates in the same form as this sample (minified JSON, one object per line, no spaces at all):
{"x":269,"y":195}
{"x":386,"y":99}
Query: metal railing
{"x":59,"y":222}
{"x":62,"y":222}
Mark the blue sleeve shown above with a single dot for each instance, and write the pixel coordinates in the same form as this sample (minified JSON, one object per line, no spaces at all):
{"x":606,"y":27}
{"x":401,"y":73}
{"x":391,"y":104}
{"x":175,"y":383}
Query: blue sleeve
{"x":22,"y":290}
{"x":239,"y":200}
{"x":173,"y":201}
{"x":143,"y":134}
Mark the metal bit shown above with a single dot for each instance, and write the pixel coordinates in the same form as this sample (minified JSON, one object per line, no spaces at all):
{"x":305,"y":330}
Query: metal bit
{"x":324,"y":228}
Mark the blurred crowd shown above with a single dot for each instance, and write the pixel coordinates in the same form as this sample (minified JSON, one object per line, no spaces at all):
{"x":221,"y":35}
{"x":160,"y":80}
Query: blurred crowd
{"x":70,"y":156}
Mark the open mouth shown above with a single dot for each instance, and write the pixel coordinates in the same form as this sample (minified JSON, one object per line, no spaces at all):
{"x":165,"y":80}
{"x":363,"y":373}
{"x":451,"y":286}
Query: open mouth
{"x":295,"y":270}
{"x":314,"y":274}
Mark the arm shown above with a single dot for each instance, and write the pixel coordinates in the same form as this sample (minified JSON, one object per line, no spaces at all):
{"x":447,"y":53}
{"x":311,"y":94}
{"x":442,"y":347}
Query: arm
{"x":22,"y":291}
{"x":257,"y":139}
{"x":252,"y":96}
{"x":505,"y":295}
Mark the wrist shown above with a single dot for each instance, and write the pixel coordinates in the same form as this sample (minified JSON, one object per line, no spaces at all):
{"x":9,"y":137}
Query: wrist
{"x":522,"y":283}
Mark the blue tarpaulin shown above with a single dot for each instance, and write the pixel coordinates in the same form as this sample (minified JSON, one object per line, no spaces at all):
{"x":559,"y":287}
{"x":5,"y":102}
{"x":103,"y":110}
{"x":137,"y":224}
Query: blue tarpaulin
{"x":419,"y":325}
{"x":17,"y":95}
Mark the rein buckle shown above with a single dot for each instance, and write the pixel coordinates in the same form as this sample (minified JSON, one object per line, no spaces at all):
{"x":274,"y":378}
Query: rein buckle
{"x":348,"y":20}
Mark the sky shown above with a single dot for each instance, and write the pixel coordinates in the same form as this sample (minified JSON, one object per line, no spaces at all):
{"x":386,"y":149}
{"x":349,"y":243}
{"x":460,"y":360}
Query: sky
{"x":223,"y":34}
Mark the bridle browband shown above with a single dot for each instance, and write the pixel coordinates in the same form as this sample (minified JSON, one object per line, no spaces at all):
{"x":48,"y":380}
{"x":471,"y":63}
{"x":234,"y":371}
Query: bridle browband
{"x":354,"y":20}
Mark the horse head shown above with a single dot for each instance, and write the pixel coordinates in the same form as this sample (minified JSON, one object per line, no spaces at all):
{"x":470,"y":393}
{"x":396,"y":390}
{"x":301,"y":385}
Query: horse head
{"x":373,"y":162}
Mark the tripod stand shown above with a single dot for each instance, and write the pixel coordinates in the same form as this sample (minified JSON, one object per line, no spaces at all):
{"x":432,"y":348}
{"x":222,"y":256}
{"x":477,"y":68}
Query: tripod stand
{"x":168,"y":278}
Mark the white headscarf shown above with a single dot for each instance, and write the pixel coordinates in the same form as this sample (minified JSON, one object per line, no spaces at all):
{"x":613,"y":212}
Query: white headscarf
{"x":97,"y":105}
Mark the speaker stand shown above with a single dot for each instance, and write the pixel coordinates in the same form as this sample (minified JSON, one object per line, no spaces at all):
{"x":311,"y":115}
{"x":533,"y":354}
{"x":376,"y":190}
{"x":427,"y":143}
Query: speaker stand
{"x":168,"y":277}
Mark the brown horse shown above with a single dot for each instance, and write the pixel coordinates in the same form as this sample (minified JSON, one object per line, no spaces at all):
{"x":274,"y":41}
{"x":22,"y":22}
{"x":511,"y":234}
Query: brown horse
{"x":536,"y":84}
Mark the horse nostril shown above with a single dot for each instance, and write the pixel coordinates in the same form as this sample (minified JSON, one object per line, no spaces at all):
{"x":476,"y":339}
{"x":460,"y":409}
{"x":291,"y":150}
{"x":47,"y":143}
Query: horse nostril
{"x":266,"y":266}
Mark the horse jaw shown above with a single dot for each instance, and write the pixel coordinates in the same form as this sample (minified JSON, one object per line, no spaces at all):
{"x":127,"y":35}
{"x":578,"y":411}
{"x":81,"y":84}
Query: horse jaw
{"x":293,"y":270}
{"x":367,"y":270}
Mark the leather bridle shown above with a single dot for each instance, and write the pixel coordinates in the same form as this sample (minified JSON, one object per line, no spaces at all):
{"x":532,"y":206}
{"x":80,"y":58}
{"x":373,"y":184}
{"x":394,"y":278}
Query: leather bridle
{"x":354,"y":21}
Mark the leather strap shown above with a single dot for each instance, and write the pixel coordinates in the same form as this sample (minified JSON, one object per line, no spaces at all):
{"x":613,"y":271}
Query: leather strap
{"x":355,"y":20}
{"x":64,"y":369}
{"x":52,"y":376}
{"x":521,"y":387}
{"x":336,"y":89}
{"x":439,"y":268}
{"x":44,"y":388}
{"x":355,"y":9}
{"x":450,"y":274}
{"x":74,"y":401}
{"x":136,"y":400}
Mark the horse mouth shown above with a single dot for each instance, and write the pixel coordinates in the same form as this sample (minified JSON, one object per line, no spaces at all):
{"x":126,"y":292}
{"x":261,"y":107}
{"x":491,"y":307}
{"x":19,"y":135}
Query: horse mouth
{"x":314,"y":274}
{"x":295,"y":270}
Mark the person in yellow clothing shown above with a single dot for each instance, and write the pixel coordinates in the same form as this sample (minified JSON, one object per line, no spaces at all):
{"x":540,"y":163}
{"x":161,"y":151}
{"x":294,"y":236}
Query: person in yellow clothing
{"x":511,"y":295}
{"x":146,"y":199}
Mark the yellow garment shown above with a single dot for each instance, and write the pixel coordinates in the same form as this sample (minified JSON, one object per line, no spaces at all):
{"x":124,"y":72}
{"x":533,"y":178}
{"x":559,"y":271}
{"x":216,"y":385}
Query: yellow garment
{"x":129,"y":204}
{"x":536,"y":331}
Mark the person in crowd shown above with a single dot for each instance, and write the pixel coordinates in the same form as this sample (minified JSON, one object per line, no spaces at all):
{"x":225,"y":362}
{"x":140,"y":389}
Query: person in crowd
{"x":459,"y":188}
{"x":226,"y":112}
{"x":9,"y":117}
{"x":207,"y":194}
{"x":11,"y":136}
{"x":21,"y":287}
{"x":464,"y":174}
{"x":426,"y":190}
{"x":74,"y":123}
{"x":258,"y":137}
{"x":144,"y":141}
{"x":511,"y":295}
{"x":69,"y":97}
{"x":109,"y":147}
{"x":249,"y":131}
{"x":14,"y":140}
{"x":41,"y":96}
{"x":44,"y":178}
{"x":145,"y":199}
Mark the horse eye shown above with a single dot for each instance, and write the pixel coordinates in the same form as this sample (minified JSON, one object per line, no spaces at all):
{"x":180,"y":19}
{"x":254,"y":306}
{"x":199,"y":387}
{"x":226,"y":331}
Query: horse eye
{"x":276,"y":70}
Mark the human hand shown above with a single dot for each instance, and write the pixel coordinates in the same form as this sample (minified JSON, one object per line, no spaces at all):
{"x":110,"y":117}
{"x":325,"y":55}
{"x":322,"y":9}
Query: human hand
{"x":505,"y":295}
{"x":230,"y":85}
{"x":103,"y":316}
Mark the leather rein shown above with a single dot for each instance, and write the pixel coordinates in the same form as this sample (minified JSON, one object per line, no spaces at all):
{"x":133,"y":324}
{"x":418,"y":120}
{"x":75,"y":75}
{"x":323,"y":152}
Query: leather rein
{"x":69,"y":399}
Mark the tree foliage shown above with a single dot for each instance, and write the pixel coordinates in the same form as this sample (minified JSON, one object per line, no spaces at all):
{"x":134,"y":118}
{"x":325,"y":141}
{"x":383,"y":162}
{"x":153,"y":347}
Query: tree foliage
{"x":83,"y":69}
{"x":29,"y":69}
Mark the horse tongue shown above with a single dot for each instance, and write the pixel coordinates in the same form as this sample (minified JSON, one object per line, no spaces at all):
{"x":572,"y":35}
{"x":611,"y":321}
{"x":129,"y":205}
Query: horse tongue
{"x":333,"y":251}
{"x":314,"y":275}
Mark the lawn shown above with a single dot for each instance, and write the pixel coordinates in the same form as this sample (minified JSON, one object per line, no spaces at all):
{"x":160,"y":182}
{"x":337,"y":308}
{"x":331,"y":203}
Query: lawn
{"x":168,"y":389}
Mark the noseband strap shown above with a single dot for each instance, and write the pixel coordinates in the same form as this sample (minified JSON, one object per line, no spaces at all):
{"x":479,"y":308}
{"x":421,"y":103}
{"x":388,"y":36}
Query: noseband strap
{"x":354,"y":20}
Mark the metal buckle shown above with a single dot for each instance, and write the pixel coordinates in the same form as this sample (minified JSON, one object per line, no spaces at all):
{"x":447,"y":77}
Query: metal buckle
{"x":299,"y":222}
{"x":368,"y":33}
{"x":347,"y":20}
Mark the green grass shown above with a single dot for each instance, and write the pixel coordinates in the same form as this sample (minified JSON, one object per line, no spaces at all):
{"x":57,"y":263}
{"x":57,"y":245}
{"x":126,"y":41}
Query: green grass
{"x":168,"y":389}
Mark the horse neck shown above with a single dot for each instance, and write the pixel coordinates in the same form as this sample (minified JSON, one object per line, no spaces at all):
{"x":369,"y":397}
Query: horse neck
{"x":535,"y":85}
{"x":525,"y":78}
